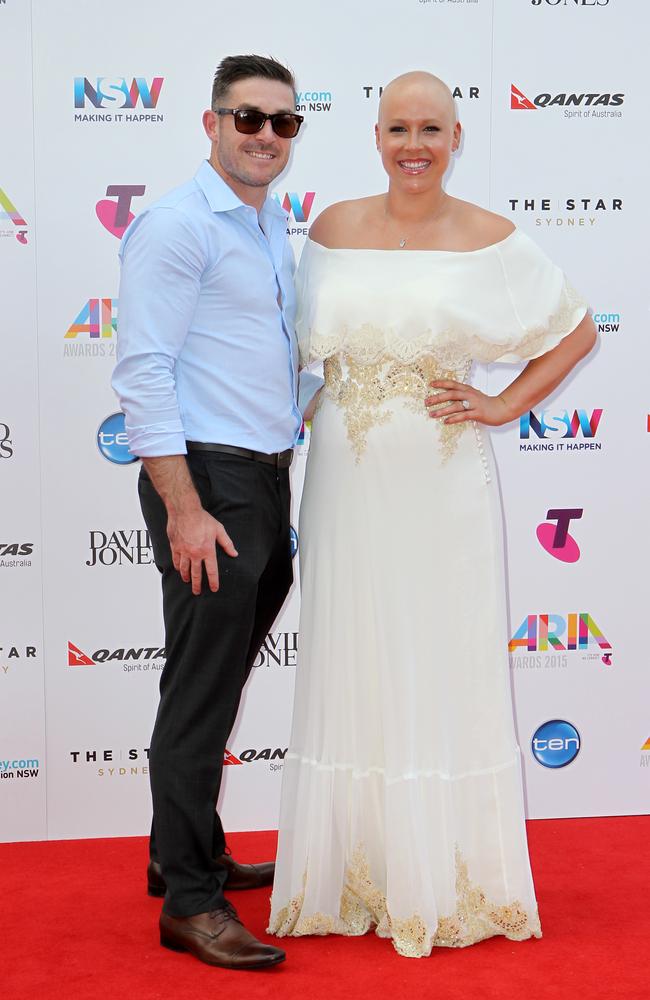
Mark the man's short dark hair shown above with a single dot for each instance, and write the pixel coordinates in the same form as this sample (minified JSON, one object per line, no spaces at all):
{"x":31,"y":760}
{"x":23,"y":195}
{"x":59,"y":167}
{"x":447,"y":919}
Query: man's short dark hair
{"x":234,"y":68}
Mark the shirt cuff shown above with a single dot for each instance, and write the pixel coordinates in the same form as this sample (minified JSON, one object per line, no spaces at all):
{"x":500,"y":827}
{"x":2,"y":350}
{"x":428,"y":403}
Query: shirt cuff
{"x":147,"y":442}
{"x":308,"y":386}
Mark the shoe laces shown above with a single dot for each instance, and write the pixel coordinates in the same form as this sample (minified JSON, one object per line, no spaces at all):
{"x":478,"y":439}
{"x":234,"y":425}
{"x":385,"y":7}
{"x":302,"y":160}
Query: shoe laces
{"x":224,"y":914}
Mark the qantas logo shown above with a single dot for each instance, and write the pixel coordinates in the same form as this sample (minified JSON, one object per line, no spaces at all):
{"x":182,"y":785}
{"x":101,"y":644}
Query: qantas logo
{"x":77,"y":658}
{"x":519,"y":101}
{"x":246,"y":756}
{"x":128,"y":656}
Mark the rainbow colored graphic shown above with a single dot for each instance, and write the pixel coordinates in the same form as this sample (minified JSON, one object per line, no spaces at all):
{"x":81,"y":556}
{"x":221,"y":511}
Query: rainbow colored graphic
{"x":646,"y":745}
{"x":9,"y":212}
{"x":116,"y":92}
{"x":292,"y":204}
{"x":538,"y":632}
{"x":97,"y":318}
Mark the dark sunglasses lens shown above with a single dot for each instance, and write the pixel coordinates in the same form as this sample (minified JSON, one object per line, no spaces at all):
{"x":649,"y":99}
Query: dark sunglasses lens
{"x":249,"y":122}
{"x":286,"y":126}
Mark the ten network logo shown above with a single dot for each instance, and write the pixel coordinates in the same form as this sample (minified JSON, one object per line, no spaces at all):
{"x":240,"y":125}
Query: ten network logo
{"x":10,"y":214}
{"x":116,"y":98}
{"x":588,"y":104}
{"x":115,"y":216}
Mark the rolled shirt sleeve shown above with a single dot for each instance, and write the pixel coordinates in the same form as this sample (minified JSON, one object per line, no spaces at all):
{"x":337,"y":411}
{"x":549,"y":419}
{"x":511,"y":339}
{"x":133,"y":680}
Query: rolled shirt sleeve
{"x":163,"y":261}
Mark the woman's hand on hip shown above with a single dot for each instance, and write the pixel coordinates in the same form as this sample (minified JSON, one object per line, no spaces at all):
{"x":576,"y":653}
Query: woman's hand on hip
{"x":454,"y":403}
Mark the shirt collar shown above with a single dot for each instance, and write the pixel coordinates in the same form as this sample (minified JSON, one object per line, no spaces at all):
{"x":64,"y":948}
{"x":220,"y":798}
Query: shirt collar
{"x":221,"y":197}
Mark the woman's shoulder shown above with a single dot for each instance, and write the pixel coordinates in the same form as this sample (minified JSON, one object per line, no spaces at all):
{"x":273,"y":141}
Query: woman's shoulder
{"x":481,"y":228}
{"x":336,"y":226}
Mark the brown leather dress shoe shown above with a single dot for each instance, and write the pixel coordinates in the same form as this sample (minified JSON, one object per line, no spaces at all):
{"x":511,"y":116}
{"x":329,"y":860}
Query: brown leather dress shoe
{"x":239,"y":876}
{"x":218,"y":938}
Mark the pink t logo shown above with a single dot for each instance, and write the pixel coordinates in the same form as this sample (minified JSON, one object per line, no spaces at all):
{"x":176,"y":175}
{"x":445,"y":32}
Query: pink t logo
{"x":116,"y":216}
{"x":555,"y":538}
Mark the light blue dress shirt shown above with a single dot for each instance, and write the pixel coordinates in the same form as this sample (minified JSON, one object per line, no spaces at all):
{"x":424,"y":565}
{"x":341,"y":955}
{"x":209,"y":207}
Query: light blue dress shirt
{"x":206,"y":344}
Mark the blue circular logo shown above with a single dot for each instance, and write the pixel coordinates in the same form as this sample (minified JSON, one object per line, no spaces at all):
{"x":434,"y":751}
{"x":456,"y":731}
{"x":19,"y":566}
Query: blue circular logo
{"x":556,"y":743}
{"x":293,"y":541}
{"x":113,"y":442}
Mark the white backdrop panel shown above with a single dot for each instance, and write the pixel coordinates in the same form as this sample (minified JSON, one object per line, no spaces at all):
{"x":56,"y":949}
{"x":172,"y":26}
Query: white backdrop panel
{"x":101,"y":604}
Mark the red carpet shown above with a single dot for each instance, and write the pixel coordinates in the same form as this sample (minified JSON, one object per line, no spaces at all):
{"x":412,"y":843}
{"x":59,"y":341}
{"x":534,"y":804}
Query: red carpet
{"x":77,"y":925}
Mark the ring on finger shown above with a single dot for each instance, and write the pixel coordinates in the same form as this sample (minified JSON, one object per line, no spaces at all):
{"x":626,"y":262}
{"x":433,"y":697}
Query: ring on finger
{"x":466,"y":404}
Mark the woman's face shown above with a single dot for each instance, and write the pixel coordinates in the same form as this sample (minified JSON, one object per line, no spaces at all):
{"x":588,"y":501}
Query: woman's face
{"x":416,"y":133}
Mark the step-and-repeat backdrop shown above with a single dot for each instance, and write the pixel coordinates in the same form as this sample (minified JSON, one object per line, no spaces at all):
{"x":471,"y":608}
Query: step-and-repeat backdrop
{"x":101,"y":114}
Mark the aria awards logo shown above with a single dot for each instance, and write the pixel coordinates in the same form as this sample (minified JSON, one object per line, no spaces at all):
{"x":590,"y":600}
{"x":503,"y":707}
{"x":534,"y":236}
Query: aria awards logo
{"x":92,"y":333}
{"x":558,"y":635}
{"x":12,"y":222}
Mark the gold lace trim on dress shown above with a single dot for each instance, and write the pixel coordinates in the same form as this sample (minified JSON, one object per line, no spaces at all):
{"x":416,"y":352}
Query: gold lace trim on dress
{"x":363,"y":905}
{"x":367,"y":386}
{"x":368,"y":343}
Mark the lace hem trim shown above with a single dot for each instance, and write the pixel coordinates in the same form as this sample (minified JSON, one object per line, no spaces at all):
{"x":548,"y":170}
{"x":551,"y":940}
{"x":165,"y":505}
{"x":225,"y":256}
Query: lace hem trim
{"x":363,"y":906}
{"x":367,"y":344}
{"x":407,"y":776}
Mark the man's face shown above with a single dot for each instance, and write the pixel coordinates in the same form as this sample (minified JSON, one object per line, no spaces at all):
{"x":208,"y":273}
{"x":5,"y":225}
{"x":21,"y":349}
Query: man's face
{"x":251,"y":161}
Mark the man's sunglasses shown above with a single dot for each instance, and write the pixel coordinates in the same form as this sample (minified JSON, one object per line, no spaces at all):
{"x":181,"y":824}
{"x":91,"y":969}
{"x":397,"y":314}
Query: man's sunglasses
{"x":249,"y":122}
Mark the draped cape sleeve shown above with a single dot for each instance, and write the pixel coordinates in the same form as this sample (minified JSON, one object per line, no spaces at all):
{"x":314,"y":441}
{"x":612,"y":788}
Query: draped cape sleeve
{"x":507,"y":302}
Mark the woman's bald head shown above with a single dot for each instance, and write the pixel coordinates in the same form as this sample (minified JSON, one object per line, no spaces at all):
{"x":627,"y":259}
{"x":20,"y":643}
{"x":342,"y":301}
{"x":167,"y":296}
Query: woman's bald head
{"x":415,"y":91}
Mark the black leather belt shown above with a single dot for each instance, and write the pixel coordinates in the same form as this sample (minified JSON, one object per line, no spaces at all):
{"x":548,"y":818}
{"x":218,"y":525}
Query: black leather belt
{"x":280,"y":459}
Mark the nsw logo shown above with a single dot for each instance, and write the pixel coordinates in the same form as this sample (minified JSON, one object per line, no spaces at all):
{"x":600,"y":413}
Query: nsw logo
{"x":117,"y":92}
{"x":115,"y":216}
{"x":299,"y":209}
{"x":113,"y":442}
{"x":556,"y":743}
{"x":555,"y":538}
{"x":292,"y":204}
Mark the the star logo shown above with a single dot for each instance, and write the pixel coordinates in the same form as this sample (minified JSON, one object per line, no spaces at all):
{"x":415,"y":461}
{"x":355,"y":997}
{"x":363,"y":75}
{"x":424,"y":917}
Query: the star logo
{"x":519,"y":101}
{"x":646,"y":745}
{"x":77,"y":658}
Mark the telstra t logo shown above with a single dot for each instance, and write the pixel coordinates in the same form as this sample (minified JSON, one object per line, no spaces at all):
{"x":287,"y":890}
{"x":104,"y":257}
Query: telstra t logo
{"x":115,"y":216}
{"x":555,"y":538}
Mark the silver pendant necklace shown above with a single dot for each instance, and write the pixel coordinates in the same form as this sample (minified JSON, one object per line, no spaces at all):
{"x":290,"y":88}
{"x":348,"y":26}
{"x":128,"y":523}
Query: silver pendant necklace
{"x":426,"y":222}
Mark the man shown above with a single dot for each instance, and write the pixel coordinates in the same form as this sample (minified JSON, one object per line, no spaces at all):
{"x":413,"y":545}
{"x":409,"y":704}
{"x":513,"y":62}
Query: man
{"x":206,"y":376}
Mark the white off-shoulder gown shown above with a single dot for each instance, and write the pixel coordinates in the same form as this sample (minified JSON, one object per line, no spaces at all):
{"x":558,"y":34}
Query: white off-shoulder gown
{"x":402,"y":806}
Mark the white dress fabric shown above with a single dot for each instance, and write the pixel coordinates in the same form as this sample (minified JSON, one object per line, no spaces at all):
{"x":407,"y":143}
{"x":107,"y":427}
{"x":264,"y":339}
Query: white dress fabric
{"x":402,"y":806}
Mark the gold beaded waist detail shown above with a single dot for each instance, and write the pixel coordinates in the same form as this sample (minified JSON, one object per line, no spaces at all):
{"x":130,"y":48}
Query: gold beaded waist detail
{"x":362,"y":389}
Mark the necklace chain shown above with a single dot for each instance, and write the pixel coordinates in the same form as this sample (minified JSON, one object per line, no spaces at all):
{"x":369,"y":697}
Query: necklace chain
{"x":403,"y":240}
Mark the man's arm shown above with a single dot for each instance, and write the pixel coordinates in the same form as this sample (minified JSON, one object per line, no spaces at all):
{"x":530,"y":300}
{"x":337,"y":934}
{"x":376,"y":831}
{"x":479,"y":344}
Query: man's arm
{"x":162,"y":264}
{"x":193,"y":533}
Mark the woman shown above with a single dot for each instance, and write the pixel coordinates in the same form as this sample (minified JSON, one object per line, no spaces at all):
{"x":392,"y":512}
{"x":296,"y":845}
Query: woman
{"x":402,"y":801}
